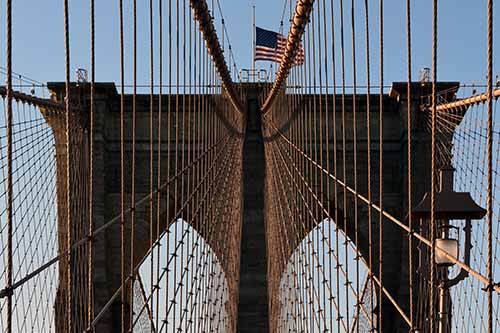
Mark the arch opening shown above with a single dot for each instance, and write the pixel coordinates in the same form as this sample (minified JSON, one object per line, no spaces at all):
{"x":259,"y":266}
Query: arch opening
{"x":317,"y":294}
{"x":187,"y":282}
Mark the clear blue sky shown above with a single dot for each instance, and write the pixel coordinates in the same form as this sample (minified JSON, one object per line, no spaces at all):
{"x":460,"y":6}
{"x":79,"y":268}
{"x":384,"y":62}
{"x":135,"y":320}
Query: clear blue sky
{"x":39,"y":40}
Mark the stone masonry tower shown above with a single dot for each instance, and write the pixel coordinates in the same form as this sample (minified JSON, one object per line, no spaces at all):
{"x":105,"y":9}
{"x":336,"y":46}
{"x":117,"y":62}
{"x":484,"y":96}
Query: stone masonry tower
{"x":251,"y":288}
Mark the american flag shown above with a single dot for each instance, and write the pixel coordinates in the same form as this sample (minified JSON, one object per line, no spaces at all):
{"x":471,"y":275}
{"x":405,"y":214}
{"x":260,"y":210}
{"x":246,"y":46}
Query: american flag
{"x":269,"y":45}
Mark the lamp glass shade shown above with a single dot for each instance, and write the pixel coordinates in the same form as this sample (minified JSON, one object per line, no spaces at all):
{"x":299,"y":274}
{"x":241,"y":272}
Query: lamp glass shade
{"x":449,"y":246}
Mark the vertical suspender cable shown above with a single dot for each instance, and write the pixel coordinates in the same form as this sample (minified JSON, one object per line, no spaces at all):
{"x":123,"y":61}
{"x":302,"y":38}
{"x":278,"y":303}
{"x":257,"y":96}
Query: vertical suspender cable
{"x":68,"y":167}
{"x":381,"y":165}
{"x":133,"y":167}
{"x":369,"y":164}
{"x":335,"y":192}
{"x":151,"y":157}
{"x":176,"y":158}
{"x":321,"y":161}
{"x":159,"y":164}
{"x":355,"y":160}
{"x":432,"y":277}
{"x":189,"y":291}
{"x":182,"y":146}
{"x":90,"y":290}
{"x":122,"y":169}
{"x":9,"y":165}
{"x":169,"y":109}
{"x":328,"y":190}
{"x":344,"y":157}
{"x":489,"y":148}
{"x":409,"y":162}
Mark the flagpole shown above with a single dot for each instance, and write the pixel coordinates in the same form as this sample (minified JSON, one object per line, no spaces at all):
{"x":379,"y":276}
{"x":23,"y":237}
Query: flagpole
{"x":253,"y":41}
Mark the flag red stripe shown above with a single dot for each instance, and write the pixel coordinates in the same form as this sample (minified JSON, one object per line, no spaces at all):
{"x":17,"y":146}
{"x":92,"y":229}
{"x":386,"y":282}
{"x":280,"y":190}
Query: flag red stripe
{"x":278,"y":50}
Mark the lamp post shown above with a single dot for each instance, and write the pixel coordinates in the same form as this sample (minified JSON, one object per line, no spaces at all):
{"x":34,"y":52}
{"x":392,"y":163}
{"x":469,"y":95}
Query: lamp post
{"x":450,"y":207}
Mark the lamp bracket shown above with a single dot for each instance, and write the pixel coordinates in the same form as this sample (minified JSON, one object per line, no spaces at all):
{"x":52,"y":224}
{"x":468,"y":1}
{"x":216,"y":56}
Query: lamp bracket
{"x":460,"y":277}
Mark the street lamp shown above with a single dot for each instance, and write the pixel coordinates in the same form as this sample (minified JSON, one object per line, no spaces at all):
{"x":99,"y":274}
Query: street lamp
{"x":446,"y":244}
{"x":450,"y":206}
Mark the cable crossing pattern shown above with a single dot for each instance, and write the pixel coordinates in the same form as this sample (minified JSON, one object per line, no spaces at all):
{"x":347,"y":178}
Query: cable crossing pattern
{"x":123,"y":206}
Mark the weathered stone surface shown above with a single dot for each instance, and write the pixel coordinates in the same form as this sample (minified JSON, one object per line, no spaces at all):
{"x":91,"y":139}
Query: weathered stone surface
{"x":253,"y":296}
